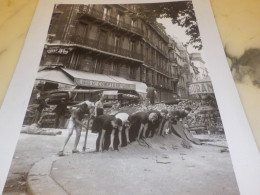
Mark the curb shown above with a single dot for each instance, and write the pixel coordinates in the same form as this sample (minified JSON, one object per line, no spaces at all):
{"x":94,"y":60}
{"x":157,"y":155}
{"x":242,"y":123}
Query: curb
{"x":39,"y":181}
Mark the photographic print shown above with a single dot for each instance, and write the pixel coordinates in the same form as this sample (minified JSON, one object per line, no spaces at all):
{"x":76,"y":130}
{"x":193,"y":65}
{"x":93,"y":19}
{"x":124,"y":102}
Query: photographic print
{"x":122,"y":103}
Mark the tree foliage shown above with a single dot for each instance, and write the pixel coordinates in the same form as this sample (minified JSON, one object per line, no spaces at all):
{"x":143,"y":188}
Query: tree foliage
{"x":181,"y":13}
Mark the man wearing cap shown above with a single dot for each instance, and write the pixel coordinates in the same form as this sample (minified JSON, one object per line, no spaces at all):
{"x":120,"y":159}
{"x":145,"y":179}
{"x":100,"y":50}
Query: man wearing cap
{"x":75,"y":122}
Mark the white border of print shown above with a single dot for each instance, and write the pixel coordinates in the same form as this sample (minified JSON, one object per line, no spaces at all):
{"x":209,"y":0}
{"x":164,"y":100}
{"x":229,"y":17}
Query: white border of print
{"x":243,"y":149}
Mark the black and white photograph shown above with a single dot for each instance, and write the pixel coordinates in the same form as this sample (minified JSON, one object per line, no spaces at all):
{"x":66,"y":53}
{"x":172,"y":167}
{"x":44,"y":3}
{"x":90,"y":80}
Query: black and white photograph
{"x":122,"y":103}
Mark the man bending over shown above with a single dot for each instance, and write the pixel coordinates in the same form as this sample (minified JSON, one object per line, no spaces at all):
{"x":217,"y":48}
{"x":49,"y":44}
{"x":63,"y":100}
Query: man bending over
{"x":108,"y":132}
{"x":75,"y":122}
{"x":123,"y":140}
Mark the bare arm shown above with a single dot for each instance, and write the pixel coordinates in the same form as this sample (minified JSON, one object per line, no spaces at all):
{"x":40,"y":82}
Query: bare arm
{"x":76,"y":120}
{"x":95,"y":110}
{"x":158,"y":129}
{"x":127,"y":134}
{"x":166,"y":126}
{"x":79,"y":122}
{"x":112,"y":138}
{"x":102,"y":140}
{"x":120,"y":136}
{"x":145,"y":129}
{"x":140,"y":130}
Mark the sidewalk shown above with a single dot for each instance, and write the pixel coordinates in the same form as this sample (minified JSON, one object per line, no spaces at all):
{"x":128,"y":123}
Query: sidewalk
{"x":165,"y":168}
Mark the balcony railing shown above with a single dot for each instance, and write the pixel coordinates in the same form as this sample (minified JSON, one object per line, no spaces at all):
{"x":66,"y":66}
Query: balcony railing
{"x":155,"y":46}
{"x":96,"y":44}
{"x":94,"y":13}
{"x":128,"y":7}
{"x":163,"y":34}
{"x":148,"y":62}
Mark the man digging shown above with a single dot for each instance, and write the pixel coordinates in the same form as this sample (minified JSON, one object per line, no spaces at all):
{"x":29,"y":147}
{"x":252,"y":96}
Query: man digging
{"x":75,"y":122}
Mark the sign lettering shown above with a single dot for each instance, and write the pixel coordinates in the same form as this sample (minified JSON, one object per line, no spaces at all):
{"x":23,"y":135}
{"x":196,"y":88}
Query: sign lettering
{"x":200,"y":88}
{"x":103,"y":84}
{"x":56,"y":50}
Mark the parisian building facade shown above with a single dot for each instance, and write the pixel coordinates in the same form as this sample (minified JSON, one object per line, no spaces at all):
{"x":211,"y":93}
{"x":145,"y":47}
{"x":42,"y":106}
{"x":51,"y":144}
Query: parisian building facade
{"x":198,"y":69}
{"x":113,"y":40}
{"x":181,"y":58}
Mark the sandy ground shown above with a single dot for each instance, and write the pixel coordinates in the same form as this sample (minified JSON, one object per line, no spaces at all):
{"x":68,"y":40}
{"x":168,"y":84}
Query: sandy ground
{"x":29,"y":150}
{"x":163,"y":168}
{"x":214,"y":139}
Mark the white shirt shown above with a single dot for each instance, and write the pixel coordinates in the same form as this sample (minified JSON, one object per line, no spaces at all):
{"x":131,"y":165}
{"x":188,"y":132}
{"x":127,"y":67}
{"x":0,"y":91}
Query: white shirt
{"x":99,"y":104}
{"x":123,"y":117}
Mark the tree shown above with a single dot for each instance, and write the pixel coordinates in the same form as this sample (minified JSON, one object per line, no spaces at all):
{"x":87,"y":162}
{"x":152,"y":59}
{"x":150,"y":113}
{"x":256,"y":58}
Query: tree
{"x":181,"y":13}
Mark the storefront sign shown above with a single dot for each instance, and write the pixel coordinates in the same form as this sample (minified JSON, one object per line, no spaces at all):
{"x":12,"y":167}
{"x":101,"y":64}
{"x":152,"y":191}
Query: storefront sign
{"x":105,"y":85}
{"x":200,"y":88}
{"x":56,"y":50}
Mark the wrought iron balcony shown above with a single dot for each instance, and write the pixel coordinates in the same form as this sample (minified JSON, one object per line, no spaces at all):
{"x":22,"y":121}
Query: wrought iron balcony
{"x":160,"y":32}
{"x":110,"y":19}
{"x":148,"y":62}
{"x":128,"y":7}
{"x":96,"y":44}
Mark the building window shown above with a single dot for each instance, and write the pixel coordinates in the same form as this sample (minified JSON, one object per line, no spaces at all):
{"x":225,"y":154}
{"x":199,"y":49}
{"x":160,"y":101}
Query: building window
{"x":146,"y":32}
{"x":153,"y":78}
{"x":152,"y":54}
{"x":117,"y":44}
{"x":106,"y":13}
{"x":81,"y":32}
{"x":133,"y":7}
{"x":102,"y":39}
{"x":147,"y":53}
{"x":98,"y":68}
{"x":119,"y":18}
{"x":115,"y":69}
{"x":132,"y":72}
{"x":88,"y":8}
{"x":117,"y":73}
{"x":147,"y":77}
{"x":132,"y":48}
{"x":142,"y":52}
{"x":133,"y":23}
{"x":143,"y":73}
{"x":73,"y":59}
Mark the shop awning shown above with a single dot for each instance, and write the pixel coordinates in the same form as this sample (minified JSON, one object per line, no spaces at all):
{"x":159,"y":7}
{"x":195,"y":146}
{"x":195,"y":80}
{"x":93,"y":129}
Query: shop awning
{"x":99,"y":80}
{"x":203,"y":86}
{"x":54,"y":76}
{"x":140,"y":87}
